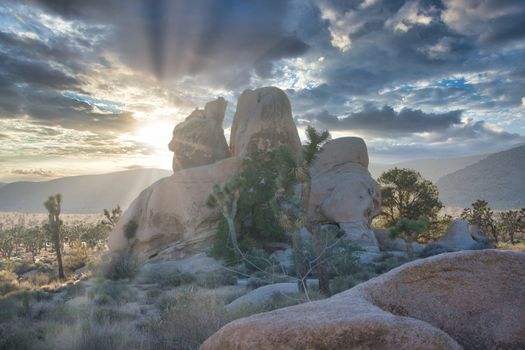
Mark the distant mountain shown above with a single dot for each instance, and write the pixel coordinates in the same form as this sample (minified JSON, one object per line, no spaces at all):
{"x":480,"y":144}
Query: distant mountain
{"x":2,"y":184}
{"x":81,"y":194}
{"x":498,"y":179}
{"x":431,"y":169}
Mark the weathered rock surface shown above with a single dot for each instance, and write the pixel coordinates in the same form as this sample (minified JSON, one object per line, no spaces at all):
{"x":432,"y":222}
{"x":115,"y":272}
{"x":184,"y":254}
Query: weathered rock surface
{"x":468,"y":299}
{"x":264,"y":295}
{"x":343,"y":191}
{"x":462,"y":236}
{"x":199,"y":139}
{"x":173,"y":210}
{"x":263,"y":121}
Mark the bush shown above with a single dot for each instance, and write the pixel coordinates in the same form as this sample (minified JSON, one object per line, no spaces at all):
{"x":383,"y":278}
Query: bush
{"x":113,"y":292}
{"x":163,"y":278}
{"x":8,"y":282}
{"x":120,"y":267}
{"x":17,"y":336}
{"x":342,"y":283}
{"x":186,"y":322}
{"x":77,"y":257}
{"x":215,"y":279}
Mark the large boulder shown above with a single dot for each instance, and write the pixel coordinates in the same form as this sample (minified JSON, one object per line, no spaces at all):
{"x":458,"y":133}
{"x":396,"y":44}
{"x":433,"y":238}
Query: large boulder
{"x":173,"y":210}
{"x":463,"y":236}
{"x":263,"y":121}
{"x":469,"y":299}
{"x":199,"y":139}
{"x":343,"y":192}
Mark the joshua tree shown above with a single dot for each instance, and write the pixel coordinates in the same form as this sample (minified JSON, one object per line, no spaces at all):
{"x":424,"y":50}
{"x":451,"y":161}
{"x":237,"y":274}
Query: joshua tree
{"x":409,"y":230}
{"x":483,"y":217}
{"x":53,"y":206}
{"x":112,"y":217}
{"x":225,"y":199}
{"x":295,"y":210}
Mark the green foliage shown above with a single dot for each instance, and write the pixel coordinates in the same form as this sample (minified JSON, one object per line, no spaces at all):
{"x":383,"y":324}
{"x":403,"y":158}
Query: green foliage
{"x":409,"y":230}
{"x":316,"y":140}
{"x":511,"y":224}
{"x":53,"y":206}
{"x":406,"y":194}
{"x":252,"y":195}
{"x":481,"y":215}
{"x":112,"y":217}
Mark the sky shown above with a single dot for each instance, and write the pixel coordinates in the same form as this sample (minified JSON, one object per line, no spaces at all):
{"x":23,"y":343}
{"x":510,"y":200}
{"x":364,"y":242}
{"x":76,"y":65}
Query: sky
{"x":97,"y":86}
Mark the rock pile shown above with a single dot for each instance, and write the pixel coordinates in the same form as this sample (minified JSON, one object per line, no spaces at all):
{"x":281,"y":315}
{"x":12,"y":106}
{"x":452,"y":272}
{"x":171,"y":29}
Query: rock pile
{"x":172,"y":213}
{"x":469,"y":299}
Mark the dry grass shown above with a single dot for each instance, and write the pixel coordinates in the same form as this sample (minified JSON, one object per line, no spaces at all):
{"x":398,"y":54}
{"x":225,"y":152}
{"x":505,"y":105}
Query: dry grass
{"x":518,"y":247}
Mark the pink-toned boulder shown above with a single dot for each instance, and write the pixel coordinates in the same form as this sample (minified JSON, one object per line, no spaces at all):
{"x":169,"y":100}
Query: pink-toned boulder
{"x":173,"y":210}
{"x":343,"y":191}
{"x":468,"y":299}
{"x":199,"y":139}
{"x":263,"y":121}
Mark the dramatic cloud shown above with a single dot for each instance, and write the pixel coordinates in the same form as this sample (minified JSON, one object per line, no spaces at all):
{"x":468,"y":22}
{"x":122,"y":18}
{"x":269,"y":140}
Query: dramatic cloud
{"x":387,"y":121}
{"x":98,"y":83}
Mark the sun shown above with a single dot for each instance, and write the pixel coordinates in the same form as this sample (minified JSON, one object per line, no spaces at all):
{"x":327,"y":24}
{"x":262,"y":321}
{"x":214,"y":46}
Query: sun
{"x":155,"y":134}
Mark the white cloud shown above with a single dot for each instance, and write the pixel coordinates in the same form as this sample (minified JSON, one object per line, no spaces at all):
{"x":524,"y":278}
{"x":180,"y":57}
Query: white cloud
{"x":341,"y":26}
{"x":409,"y":15}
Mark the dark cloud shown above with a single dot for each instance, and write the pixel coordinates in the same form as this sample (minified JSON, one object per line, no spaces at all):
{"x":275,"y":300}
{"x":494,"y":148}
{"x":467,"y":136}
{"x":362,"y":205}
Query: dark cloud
{"x":386,"y":121}
{"x":173,"y":39}
{"x":33,"y":76}
{"x":464,"y":139}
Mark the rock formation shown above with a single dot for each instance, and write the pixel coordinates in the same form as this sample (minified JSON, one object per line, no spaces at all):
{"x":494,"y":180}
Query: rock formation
{"x":173,"y":210}
{"x":199,"y":139}
{"x":462,"y":236}
{"x":343,"y":191}
{"x":469,"y":299}
{"x":263,"y":121}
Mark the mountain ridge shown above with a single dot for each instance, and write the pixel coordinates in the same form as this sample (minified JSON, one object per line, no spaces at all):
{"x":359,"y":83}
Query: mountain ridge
{"x":81,"y":193}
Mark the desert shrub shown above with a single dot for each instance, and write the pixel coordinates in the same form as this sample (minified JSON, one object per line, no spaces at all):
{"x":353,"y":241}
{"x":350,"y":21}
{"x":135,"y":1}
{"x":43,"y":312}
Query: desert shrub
{"x":163,"y":278}
{"x":75,"y":290}
{"x":153,"y":295}
{"x":77,"y":257}
{"x":110,"y":315}
{"x":120,"y":267}
{"x":39,"y":279}
{"x":8,"y":282}
{"x":215,"y":279}
{"x":22,"y":266}
{"x":185,"y":323}
{"x":89,"y":335}
{"x":17,"y":336}
{"x":113,"y":292}
{"x":342,"y":283}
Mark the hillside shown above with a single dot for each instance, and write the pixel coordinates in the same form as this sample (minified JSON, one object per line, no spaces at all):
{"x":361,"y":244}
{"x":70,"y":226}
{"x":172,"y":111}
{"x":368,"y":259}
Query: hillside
{"x":498,"y":179}
{"x":82,"y":194}
{"x":431,"y":169}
